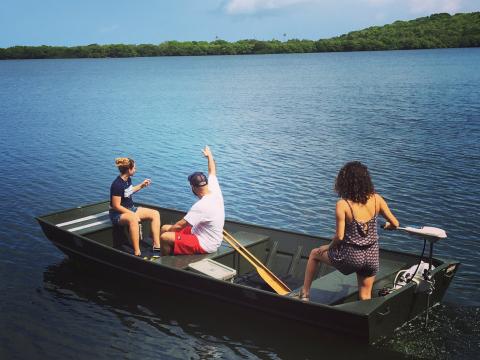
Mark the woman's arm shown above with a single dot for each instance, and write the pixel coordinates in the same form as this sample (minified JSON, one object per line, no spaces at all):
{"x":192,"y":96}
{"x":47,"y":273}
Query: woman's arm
{"x":340,"y":223}
{"x":387,"y":214}
{"x":142,"y":185}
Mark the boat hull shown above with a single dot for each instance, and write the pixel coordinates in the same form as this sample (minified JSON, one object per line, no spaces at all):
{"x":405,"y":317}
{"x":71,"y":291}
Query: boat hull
{"x":366,"y":321}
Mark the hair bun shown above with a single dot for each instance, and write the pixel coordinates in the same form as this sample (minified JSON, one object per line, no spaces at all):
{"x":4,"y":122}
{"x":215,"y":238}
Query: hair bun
{"x":122,"y":161}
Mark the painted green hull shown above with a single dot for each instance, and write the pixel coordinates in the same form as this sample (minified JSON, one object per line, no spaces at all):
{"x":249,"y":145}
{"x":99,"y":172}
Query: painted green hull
{"x":333,"y":304}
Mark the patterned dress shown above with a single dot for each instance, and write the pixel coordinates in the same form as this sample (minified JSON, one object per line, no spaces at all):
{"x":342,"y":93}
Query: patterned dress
{"x":358,"y":252}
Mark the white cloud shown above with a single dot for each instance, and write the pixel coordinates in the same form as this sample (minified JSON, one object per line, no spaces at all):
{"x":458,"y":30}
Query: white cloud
{"x":250,"y":7}
{"x":422,"y":6}
{"x":434,"y":6}
{"x":238,"y":7}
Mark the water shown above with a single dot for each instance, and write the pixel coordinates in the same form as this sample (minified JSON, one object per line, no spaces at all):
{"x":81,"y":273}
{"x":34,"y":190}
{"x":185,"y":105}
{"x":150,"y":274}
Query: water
{"x":280,"y":127}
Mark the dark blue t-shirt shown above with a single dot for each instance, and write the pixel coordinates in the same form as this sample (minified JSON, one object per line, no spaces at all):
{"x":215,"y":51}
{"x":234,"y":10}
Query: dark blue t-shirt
{"x":124,"y":189}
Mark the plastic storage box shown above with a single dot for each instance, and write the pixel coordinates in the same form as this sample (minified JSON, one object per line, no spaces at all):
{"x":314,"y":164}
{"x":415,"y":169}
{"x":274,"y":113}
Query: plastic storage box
{"x":214,"y":269}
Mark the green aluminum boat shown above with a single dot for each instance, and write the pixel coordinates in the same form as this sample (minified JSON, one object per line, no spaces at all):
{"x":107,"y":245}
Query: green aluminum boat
{"x":86,"y":234}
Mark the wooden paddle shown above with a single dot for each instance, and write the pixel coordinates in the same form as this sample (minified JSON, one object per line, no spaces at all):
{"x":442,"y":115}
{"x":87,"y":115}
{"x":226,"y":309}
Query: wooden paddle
{"x":269,"y":277}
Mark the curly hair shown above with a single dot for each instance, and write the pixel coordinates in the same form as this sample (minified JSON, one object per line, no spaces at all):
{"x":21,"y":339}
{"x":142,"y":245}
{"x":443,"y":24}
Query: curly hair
{"x":124,"y":164}
{"x":354,"y":183}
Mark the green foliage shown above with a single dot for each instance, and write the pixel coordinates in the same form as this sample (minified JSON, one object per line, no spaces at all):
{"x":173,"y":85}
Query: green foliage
{"x":435,"y":31}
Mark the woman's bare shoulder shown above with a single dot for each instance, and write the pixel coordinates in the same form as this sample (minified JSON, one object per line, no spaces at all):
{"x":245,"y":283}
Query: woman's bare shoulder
{"x":342,"y":204}
{"x":379,"y":198}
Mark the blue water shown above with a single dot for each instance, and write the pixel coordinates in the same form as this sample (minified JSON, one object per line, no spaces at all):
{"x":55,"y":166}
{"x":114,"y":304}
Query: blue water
{"x":280,"y":127}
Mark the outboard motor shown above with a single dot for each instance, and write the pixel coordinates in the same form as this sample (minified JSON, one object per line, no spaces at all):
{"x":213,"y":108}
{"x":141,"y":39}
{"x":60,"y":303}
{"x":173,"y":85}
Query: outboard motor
{"x":421,"y":274}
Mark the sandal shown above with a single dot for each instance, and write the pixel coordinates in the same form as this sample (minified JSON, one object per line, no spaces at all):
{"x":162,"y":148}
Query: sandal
{"x":303,"y":297}
{"x":300,"y":295}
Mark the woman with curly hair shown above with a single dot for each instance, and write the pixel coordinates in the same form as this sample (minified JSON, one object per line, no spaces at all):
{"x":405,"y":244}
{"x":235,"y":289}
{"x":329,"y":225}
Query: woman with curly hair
{"x":354,"y":248}
{"x":122,"y":210}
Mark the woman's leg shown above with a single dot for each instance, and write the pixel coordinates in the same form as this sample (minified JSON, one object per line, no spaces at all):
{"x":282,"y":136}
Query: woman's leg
{"x":365,"y":285}
{"x":154,"y":217}
{"x":317,"y":255}
{"x":131,"y":220}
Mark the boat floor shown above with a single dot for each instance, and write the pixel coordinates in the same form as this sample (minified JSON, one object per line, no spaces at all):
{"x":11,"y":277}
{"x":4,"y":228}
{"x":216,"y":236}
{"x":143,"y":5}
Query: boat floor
{"x":332,"y":288}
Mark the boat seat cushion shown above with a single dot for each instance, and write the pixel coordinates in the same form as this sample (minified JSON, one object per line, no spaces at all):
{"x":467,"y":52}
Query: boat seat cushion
{"x":333,"y":287}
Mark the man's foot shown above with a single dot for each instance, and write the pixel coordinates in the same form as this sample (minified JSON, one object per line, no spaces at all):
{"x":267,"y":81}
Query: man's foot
{"x":157,"y":252}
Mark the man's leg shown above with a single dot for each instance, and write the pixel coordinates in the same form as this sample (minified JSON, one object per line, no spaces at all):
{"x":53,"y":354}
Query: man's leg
{"x":165,"y":228}
{"x":167,"y":241}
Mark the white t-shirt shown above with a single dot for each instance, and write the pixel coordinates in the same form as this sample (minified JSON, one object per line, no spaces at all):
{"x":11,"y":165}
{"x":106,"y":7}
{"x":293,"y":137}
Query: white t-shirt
{"x":207,"y":217}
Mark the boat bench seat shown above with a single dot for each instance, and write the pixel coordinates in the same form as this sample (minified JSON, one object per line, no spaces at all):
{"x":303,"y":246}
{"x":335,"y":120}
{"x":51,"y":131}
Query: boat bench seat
{"x":333,"y":287}
{"x":87,"y":224}
{"x":224,"y":253}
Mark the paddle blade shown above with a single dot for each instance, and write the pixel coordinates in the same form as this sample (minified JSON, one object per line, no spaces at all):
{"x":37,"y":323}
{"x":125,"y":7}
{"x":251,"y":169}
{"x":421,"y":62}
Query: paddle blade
{"x":273,"y":283}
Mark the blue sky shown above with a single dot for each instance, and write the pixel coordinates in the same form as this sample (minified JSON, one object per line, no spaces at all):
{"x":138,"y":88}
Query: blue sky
{"x":83,"y":22}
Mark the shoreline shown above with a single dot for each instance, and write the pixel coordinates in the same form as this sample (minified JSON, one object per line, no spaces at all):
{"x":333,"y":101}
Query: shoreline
{"x":437,"y":31}
{"x":218,"y":55}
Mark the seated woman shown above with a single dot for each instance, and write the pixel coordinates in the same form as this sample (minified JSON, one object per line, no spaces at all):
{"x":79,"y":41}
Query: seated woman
{"x":123,"y":212}
{"x":354,"y":248}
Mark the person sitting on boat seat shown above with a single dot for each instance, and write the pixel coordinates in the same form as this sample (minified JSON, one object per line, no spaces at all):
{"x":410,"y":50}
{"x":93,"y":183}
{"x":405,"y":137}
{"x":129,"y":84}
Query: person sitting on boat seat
{"x":354,"y":248}
{"x":201,"y":230}
{"x":122,"y":210}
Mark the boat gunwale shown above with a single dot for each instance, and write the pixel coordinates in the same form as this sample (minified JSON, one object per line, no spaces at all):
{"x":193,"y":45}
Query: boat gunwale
{"x":237,"y":222}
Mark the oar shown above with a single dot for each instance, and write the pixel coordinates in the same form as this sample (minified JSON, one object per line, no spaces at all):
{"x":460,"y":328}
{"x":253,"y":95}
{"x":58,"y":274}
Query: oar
{"x":424,"y":231}
{"x":269,"y":277}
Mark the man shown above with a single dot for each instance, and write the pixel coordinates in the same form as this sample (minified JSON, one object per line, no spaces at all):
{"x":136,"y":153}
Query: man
{"x":201,"y":230}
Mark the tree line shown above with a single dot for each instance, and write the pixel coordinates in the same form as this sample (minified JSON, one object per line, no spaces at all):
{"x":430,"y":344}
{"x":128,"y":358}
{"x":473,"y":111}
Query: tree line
{"x":435,"y":31}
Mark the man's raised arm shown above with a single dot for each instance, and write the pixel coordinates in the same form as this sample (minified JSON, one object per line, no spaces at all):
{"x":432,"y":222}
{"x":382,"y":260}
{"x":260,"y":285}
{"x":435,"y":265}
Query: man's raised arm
{"x":212,"y":169}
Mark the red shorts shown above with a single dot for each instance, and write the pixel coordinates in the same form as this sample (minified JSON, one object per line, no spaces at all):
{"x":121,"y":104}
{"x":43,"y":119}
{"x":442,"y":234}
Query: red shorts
{"x":187,"y":243}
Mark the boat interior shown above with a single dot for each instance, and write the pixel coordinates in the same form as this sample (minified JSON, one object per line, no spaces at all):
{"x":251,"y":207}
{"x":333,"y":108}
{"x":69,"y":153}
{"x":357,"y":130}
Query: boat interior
{"x":284,"y":253}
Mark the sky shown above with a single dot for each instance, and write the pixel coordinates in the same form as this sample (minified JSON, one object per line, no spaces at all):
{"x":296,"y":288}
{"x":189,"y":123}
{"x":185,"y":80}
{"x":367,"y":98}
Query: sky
{"x":83,"y":22}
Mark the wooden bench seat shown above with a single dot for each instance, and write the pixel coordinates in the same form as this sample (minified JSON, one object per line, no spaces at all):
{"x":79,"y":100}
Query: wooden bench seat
{"x":333,"y":287}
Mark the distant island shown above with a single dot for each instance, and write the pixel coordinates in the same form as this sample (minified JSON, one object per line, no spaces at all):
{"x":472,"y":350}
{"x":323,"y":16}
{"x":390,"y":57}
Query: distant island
{"x":435,"y":31}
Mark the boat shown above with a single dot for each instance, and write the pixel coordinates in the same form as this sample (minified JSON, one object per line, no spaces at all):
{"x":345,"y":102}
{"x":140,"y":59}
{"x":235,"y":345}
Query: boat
{"x":85,"y":234}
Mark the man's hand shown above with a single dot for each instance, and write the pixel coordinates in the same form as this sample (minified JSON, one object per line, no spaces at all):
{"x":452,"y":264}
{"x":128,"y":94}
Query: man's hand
{"x":206,"y":152}
{"x":212,"y":168}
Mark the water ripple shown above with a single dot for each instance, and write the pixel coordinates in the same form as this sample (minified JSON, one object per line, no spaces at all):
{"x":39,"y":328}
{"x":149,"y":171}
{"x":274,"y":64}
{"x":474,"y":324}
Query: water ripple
{"x":280,"y":128}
